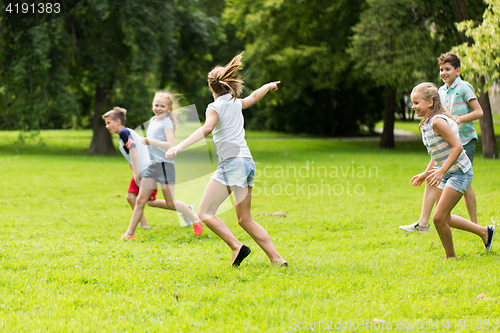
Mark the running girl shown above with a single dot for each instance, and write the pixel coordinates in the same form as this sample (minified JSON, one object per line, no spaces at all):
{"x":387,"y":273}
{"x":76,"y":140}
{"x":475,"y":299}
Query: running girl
{"x":236,"y":170}
{"x":452,"y":173}
{"x":160,"y":137}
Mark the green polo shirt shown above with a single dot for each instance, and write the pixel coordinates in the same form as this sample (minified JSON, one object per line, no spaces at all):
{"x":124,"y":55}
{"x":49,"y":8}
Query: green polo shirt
{"x":456,"y":98}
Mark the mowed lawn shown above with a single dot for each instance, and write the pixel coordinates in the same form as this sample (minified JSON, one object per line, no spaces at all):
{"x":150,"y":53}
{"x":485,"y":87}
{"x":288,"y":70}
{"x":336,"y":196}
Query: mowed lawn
{"x":63,"y":267}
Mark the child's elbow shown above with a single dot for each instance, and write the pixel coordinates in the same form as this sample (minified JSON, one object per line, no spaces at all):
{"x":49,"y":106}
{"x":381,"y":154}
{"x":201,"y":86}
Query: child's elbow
{"x":207,"y":129}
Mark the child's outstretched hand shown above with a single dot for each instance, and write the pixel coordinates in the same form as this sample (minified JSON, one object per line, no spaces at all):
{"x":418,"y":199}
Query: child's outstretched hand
{"x":417,"y":180}
{"x":273,"y":86}
{"x":435,"y":177}
{"x":172,"y":153}
{"x":145,"y":141}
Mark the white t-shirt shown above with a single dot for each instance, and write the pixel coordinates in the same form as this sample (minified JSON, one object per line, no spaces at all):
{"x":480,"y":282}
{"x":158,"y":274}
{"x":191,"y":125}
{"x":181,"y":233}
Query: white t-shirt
{"x":129,"y":139}
{"x":229,"y":134}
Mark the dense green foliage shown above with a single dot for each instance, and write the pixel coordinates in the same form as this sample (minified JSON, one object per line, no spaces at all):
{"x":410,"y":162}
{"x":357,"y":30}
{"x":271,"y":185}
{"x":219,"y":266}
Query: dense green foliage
{"x":303,"y":43}
{"x":125,"y":50}
{"x":482,"y":58}
{"x":336,"y":59}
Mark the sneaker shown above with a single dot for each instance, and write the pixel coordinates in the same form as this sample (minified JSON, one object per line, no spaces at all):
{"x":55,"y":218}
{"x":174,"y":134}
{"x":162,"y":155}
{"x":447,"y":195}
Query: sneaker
{"x":187,"y":219}
{"x":491,"y":233}
{"x":198,"y":229}
{"x":145,"y":226}
{"x":414,"y":227}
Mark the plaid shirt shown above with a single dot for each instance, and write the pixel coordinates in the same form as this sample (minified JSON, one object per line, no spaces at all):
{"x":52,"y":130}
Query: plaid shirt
{"x":456,"y":98}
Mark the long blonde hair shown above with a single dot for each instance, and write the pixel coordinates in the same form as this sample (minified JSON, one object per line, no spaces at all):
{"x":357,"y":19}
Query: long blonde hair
{"x":227,"y":79}
{"x":172,"y":101}
{"x":428,"y":91}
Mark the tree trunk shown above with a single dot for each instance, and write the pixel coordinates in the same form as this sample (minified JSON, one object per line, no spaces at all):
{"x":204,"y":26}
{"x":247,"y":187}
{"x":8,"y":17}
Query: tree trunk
{"x":487,"y":131}
{"x":460,"y":11}
{"x":101,"y":140}
{"x":402,"y":106}
{"x":387,"y":139}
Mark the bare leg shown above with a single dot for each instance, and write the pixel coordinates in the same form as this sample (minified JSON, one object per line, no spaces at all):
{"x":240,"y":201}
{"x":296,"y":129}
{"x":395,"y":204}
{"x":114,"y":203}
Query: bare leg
{"x":144,"y":194}
{"x":427,"y":204}
{"x":422,"y":225}
{"x":157,"y":203}
{"x":214,"y":195}
{"x":243,"y":201}
{"x":131,"y":198}
{"x":470,"y":203}
{"x":172,"y":204}
{"x":446,"y":201}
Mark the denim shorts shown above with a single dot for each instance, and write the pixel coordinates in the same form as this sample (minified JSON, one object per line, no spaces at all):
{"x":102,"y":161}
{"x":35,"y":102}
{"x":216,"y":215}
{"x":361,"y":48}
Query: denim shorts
{"x":470,"y":149}
{"x":457,"y":180}
{"x":239,"y":171}
{"x":163,"y":173}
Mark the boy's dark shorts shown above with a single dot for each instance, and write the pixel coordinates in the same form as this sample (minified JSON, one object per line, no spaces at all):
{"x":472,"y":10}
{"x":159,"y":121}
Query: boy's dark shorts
{"x":470,"y":149}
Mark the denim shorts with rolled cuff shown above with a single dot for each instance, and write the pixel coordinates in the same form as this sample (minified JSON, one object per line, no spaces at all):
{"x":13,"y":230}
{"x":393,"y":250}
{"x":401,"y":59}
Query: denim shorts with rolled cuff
{"x":239,"y":171}
{"x":470,"y":149}
{"x":163,"y":173}
{"x":457,"y":180}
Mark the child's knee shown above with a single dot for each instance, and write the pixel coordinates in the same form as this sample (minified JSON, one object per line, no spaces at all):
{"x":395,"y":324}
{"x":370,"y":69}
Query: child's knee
{"x":438,"y":220}
{"x":204,"y":215}
{"x":141,"y":202}
{"x":130,"y":197}
{"x":244,"y":220}
{"x":170,"y":204}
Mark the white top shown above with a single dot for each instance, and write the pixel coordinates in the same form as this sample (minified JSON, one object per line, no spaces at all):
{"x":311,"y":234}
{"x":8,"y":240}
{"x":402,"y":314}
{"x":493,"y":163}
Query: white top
{"x":156,"y":131}
{"x":229,"y":134}
{"x":129,"y":139}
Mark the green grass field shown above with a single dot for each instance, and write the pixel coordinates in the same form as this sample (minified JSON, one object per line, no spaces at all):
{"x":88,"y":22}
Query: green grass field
{"x":64,"y":269}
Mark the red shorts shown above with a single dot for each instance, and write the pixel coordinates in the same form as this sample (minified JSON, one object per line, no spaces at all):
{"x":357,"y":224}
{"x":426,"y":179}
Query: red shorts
{"x":133,"y":188}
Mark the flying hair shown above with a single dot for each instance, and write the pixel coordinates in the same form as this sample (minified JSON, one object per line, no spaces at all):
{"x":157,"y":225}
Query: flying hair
{"x":172,"y":101}
{"x":224,"y":80}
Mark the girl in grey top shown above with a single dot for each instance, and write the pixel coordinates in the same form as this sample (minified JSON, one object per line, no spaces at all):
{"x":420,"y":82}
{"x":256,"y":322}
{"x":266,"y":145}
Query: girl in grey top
{"x":160,"y":137}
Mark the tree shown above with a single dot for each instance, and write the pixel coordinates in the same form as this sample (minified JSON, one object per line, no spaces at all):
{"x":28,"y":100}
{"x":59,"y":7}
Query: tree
{"x":397,"y":42}
{"x":393,"y":43}
{"x":481,"y":64}
{"x":34,"y":81}
{"x":303,"y":43}
{"x":101,"y":54}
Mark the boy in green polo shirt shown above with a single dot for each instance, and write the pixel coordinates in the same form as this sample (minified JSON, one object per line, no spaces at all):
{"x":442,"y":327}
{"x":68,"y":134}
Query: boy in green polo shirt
{"x":458,"y":96}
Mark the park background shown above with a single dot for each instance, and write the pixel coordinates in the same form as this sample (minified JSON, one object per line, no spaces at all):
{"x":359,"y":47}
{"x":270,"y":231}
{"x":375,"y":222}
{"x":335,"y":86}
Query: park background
{"x":346,"y":68}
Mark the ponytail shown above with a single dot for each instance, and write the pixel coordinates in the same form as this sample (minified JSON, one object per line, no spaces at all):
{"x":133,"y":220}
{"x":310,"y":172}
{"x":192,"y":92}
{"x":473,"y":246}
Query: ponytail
{"x":224,"y":80}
